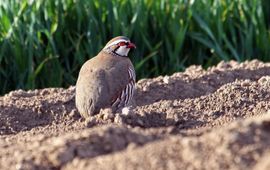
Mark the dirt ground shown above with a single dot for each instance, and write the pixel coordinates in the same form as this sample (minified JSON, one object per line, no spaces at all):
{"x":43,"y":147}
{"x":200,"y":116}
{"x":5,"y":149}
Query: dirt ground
{"x":198,"y":119}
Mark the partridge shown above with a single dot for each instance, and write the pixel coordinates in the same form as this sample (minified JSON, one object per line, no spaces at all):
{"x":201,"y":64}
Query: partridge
{"x":106,"y":80}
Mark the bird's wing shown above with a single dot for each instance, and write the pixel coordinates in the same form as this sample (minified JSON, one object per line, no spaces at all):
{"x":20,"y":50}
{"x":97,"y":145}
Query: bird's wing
{"x":124,"y":96}
{"x":123,"y":92}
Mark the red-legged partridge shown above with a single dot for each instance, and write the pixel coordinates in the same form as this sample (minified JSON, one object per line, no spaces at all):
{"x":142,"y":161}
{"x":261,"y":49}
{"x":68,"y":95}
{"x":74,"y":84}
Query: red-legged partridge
{"x":106,"y":80}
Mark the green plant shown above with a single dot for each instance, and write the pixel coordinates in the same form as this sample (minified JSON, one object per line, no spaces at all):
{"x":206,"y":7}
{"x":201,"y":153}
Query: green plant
{"x":43,"y":43}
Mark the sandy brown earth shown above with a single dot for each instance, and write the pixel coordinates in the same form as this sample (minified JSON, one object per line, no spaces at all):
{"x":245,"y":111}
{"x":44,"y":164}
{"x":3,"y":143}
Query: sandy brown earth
{"x":199,"y":119}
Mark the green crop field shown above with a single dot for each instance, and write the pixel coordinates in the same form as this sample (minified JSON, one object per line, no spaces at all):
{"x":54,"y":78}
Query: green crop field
{"x":43,"y":43}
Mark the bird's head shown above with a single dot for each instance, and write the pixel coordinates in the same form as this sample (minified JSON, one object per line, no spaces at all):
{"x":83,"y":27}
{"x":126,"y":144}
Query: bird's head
{"x":119,"y":46}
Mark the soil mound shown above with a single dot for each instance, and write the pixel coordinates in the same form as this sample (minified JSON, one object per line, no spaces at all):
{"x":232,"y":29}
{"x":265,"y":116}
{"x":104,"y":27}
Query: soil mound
{"x":198,"y":119}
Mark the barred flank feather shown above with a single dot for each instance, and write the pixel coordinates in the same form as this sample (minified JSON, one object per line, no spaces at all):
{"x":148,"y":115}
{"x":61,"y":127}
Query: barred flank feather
{"x":127,"y":93}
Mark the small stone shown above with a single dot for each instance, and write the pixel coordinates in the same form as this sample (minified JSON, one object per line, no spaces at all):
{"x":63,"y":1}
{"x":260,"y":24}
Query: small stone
{"x":265,"y":81}
{"x":118,"y":119}
{"x":107,"y":114}
{"x":166,"y":79}
{"x":145,"y":88}
{"x":126,"y":111}
{"x":245,"y":83}
{"x":90,"y":121}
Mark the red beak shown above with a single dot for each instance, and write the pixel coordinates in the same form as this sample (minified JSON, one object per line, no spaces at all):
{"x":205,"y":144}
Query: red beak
{"x":131,"y":45}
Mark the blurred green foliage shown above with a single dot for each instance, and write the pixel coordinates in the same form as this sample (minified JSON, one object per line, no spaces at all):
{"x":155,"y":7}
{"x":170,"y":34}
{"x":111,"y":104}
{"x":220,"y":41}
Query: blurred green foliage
{"x":43,"y":43}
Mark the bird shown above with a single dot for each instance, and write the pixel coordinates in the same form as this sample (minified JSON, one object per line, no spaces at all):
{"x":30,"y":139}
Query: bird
{"x":106,"y":80}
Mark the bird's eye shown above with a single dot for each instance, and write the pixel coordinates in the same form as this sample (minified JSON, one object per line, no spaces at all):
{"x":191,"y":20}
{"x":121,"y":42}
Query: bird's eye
{"x":122,"y":43}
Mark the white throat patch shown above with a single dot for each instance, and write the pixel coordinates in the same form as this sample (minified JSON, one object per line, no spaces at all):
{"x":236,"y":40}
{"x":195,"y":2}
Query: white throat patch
{"x":122,"y":51}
